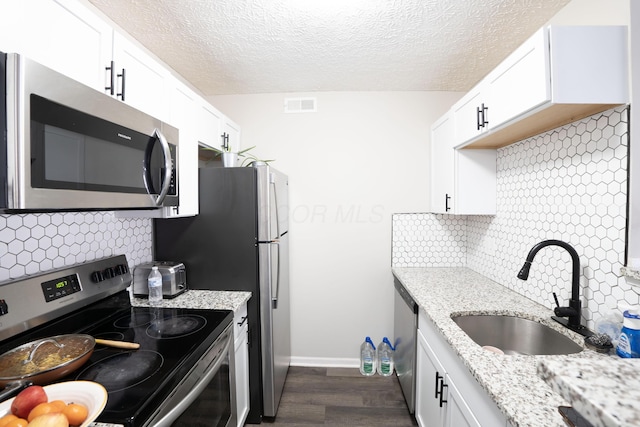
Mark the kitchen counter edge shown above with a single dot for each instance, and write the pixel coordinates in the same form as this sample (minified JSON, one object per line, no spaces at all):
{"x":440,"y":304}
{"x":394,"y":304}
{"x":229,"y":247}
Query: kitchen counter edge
{"x":202,"y":299}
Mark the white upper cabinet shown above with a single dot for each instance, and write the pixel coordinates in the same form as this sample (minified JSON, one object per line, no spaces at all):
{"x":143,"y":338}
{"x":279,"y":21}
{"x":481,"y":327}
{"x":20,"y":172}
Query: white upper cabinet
{"x":559,"y":75}
{"x":470,"y":114}
{"x":442,"y":162}
{"x":139,"y":79}
{"x":210,"y":126}
{"x":231,"y":135}
{"x":463,"y":182}
{"x":183,"y":108}
{"x":62,"y":35}
{"x":520,"y":82}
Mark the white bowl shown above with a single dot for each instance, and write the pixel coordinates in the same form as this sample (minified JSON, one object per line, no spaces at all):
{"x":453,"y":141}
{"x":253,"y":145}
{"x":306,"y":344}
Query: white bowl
{"x":90,"y":394}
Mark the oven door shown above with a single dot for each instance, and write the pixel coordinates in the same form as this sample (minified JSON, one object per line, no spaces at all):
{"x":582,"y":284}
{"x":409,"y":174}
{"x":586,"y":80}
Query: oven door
{"x":206,"y":396}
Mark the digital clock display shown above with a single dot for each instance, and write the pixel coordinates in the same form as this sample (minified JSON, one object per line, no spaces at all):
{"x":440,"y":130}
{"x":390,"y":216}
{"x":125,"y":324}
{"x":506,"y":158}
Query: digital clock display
{"x":60,"y":287}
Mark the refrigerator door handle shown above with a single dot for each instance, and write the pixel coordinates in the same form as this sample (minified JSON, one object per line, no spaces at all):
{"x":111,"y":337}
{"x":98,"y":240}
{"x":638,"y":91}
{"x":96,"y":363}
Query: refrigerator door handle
{"x":276,"y":294}
{"x":272,"y":182}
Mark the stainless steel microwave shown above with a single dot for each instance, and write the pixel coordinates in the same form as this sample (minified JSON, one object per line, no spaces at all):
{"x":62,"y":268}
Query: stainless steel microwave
{"x":67,"y":146}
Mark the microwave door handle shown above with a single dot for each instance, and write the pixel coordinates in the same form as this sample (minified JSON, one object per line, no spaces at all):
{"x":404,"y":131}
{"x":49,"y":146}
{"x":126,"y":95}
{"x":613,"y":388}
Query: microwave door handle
{"x":148,"y":182}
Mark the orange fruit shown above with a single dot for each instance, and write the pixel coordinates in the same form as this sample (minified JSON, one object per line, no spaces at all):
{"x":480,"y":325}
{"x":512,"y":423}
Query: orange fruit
{"x":18,"y":422}
{"x":7,"y":419}
{"x":41,"y":409}
{"x":59,"y":404}
{"x":76,"y":413}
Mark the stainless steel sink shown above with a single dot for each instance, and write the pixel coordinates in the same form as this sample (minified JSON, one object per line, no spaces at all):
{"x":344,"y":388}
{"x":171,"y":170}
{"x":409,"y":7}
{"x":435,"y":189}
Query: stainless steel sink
{"x":515,"y":335}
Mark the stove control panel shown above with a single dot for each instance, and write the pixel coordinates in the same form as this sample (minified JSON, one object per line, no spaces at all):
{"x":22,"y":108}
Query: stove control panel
{"x":60,"y":288}
{"x":33,"y":300}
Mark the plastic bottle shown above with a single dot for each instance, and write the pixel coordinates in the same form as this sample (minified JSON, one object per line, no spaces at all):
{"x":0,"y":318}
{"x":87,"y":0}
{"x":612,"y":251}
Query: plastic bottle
{"x":368,"y":358}
{"x":385,"y":358}
{"x":629,"y":341}
{"x":155,"y":287}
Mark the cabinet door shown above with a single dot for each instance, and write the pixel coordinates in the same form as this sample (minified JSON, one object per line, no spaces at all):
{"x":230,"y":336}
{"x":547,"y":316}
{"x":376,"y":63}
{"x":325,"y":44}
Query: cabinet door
{"x":463,"y":181}
{"x":469,"y":117}
{"x":62,"y":35}
{"x":442,"y":165}
{"x":242,"y":364}
{"x":475,"y":182}
{"x":232,"y":131}
{"x":144,"y":79}
{"x":183,"y":108}
{"x":429,"y":385}
{"x":521,"y":82}
{"x":458,"y":413}
{"x":210,"y":126}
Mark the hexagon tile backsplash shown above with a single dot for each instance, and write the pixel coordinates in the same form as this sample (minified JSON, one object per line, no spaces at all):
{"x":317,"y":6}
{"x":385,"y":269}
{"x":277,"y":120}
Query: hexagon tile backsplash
{"x":569,"y":184}
{"x":32,"y":243}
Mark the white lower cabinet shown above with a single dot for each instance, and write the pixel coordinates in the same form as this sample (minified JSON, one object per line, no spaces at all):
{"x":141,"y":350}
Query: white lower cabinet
{"x":429,"y":383}
{"x":241,"y":347}
{"x":458,"y":413}
{"x":446,"y":393}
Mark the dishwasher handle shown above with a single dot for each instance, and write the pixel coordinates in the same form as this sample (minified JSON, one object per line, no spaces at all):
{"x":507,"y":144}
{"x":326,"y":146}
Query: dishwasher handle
{"x":404,"y":294}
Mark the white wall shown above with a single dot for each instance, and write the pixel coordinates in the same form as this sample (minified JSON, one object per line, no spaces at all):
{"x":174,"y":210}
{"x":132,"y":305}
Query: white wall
{"x":593,"y":12}
{"x":361,"y":157}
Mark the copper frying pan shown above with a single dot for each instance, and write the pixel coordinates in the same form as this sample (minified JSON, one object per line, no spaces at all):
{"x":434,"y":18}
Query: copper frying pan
{"x":43,"y":361}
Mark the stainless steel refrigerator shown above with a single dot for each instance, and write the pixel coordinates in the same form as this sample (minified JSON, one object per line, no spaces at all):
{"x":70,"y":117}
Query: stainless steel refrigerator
{"x":240,"y":241}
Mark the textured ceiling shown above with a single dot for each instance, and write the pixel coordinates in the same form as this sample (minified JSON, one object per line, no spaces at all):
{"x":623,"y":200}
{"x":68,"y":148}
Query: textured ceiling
{"x":261,"y":46}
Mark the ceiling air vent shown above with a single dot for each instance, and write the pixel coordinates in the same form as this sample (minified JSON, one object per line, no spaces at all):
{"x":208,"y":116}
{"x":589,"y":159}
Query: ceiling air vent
{"x":300,"y":105}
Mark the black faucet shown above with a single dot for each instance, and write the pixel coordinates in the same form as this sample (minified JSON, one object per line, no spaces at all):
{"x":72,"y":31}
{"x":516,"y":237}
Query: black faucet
{"x":573,"y":312}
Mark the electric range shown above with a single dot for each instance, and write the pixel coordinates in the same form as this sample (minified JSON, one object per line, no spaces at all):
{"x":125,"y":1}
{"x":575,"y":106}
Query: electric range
{"x":177,"y":345}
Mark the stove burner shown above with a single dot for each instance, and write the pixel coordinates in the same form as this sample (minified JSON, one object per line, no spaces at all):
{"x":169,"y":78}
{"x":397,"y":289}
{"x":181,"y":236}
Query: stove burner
{"x":123,"y":370}
{"x":177,"y":326}
{"x":137,"y":318}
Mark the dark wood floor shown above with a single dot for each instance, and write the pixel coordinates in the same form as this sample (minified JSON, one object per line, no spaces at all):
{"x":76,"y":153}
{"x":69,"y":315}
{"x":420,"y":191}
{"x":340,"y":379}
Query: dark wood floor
{"x":341,"y":397}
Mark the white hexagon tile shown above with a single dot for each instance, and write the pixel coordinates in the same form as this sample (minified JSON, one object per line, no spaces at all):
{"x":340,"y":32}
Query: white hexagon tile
{"x":567,"y":184}
{"x":32,"y":243}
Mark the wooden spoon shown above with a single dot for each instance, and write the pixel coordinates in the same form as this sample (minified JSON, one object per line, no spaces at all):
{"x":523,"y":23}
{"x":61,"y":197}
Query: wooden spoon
{"x":118,"y":344}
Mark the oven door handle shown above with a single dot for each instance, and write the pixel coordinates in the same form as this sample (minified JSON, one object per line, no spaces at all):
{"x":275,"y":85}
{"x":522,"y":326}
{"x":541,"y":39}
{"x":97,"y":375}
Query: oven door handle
{"x":182,"y":406}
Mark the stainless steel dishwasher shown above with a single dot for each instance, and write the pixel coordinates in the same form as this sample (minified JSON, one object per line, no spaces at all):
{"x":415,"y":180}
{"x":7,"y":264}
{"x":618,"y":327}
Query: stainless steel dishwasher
{"x":405,"y":327}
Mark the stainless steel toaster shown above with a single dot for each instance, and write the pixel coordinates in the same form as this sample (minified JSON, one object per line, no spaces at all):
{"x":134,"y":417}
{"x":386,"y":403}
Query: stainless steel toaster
{"x":174,"y":278}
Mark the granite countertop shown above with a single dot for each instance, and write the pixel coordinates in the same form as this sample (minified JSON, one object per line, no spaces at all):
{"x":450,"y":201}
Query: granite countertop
{"x":603,"y":391}
{"x":210,"y":300}
{"x":513,"y":381}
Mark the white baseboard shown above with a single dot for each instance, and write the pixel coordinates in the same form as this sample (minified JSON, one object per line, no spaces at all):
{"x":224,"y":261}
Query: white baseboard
{"x":325,"y":362}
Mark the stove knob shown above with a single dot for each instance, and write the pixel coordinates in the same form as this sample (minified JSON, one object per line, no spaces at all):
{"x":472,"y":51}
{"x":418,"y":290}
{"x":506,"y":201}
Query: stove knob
{"x":97,"y":276}
{"x":109,"y":272}
{"x":121,"y":269}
